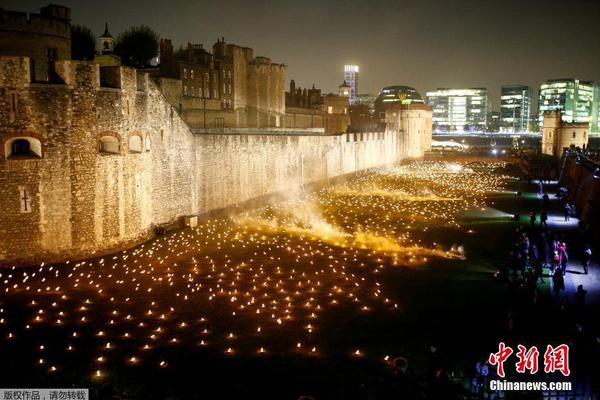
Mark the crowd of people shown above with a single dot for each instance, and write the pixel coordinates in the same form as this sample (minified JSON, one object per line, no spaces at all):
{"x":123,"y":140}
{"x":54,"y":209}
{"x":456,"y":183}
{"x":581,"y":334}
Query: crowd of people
{"x":539,"y":253}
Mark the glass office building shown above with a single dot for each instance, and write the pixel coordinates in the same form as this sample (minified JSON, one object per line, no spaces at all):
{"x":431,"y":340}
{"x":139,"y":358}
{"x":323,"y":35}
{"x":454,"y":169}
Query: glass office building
{"x":459,"y":110}
{"x":576,"y":100}
{"x":396,"y":95}
{"x":515,"y":108}
{"x":351,"y":78}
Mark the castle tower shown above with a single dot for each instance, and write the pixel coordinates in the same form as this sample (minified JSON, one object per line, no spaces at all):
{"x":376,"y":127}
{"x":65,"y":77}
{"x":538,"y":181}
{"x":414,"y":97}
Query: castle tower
{"x":220,"y":48}
{"x":106,"y":41}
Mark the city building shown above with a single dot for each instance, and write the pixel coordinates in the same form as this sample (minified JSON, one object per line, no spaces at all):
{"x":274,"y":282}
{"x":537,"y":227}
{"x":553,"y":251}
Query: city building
{"x":595,"y":128}
{"x":362,"y":115}
{"x":44,"y":37}
{"x":493,"y":121}
{"x":515,"y":108}
{"x":576,"y":100}
{"x":459,"y":110}
{"x":558,"y":135}
{"x":228,"y":88}
{"x":366,"y":99}
{"x":396,"y":95}
{"x":351,"y":78}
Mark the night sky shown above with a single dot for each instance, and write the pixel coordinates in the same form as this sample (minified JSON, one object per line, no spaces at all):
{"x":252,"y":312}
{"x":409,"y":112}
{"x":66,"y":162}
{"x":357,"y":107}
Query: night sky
{"x":424,"y":44}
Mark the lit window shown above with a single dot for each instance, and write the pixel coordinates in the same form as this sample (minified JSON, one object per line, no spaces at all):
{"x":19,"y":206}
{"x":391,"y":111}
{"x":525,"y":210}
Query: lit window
{"x":329,"y":110}
{"x":184,"y":89}
{"x":192,"y":74}
{"x":185,"y":72}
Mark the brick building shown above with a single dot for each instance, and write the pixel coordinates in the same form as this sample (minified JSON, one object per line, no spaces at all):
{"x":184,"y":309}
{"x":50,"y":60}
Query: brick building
{"x":226,"y":88}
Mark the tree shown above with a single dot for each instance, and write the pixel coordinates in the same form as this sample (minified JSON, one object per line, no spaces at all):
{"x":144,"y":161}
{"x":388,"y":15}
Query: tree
{"x":137,"y":46}
{"x":83,"y":43}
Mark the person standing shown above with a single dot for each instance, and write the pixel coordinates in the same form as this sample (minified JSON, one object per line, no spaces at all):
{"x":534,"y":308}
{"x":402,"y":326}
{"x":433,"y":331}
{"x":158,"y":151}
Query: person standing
{"x":544,"y":218}
{"x":558,"y":282}
{"x":579,"y":297}
{"x":567,"y":212}
{"x":532,"y":218}
{"x":564,"y":257}
{"x":587,"y":258}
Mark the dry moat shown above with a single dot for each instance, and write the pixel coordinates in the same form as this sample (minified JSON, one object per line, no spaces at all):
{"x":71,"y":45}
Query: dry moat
{"x":319,"y":287}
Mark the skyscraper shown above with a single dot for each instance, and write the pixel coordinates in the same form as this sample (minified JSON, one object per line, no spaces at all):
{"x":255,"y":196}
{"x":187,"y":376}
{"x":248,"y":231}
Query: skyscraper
{"x":351,"y":78}
{"x":515,"y":108}
{"x":575,"y":99}
{"x":459,"y":110}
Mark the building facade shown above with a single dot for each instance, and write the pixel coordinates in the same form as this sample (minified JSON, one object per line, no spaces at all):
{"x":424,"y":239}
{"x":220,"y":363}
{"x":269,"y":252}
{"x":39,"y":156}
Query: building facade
{"x":515,"y":108}
{"x":351,"y":78}
{"x":558,"y":135}
{"x":228,"y":88}
{"x":576,"y":100}
{"x":459,"y":110}
{"x":493,"y":122}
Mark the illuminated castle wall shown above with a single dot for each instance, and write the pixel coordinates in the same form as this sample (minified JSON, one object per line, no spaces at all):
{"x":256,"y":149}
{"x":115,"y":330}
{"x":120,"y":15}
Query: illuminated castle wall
{"x":94,"y":164}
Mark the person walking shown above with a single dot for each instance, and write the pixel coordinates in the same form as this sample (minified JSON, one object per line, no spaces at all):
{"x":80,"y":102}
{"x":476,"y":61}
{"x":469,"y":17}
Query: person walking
{"x":587,"y":258}
{"x":532,"y":217}
{"x":544,"y":218}
{"x":555,"y":262}
{"x":558,"y":282}
{"x":564,"y":257}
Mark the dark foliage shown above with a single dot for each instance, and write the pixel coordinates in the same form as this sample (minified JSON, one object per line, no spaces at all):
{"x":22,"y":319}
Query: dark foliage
{"x":83,"y":43}
{"x":137,"y":46}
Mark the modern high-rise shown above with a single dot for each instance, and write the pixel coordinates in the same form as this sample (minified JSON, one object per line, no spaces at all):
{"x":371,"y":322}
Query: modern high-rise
{"x":459,"y":110}
{"x":515,"y":108}
{"x":575,"y":100}
{"x":351,"y":78}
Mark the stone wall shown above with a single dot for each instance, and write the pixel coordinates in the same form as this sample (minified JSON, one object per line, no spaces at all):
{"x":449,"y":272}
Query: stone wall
{"x":114,"y":162}
{"x":582,"y":177}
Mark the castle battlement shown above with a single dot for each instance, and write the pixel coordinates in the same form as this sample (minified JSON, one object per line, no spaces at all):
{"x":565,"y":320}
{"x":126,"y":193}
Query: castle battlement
{"x":15,"y":73}
{"x":41,"y":24}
